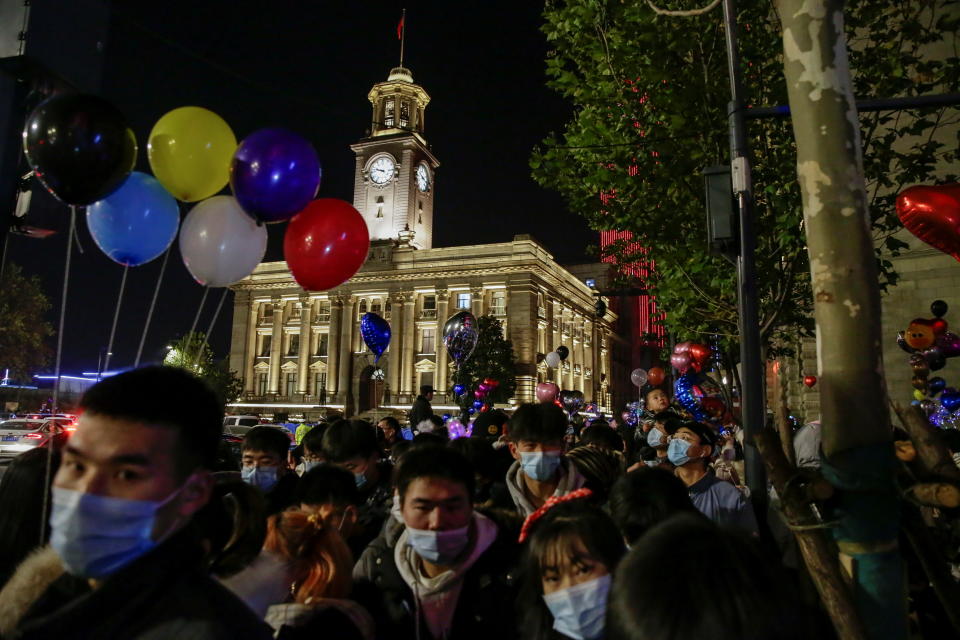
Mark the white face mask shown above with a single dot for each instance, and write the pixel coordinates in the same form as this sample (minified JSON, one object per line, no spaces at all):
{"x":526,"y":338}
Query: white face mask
{"x":395,"y":509}
{"x":580,"y":611}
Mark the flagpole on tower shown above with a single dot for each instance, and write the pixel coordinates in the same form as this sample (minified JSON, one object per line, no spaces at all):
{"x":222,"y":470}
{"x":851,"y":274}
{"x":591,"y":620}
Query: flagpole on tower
{"x":402,"y":33}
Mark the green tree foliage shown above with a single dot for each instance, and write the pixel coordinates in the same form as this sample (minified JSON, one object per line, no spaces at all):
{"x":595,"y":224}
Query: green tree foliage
{"x":193,"y":353}
{"x":24,"y":347}
{"x":650,"y":98}
{"x":493,"y":358}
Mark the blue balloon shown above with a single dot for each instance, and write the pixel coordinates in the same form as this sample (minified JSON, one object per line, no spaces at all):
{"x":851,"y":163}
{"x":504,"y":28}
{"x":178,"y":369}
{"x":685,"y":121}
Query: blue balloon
{"x":935,"y":385}
{"x":375,"y":332}
{"x":458,"y":389}
{"x":136,"y":223}
{"x":477,"y":404}
{"x":446,"y":417}
{"x":950,"y":400}
{"x":683,"y":392}
{"x":274,"y":174}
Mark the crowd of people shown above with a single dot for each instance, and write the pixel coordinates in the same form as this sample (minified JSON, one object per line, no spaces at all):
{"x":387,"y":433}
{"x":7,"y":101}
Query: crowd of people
{"x":530,"y":527}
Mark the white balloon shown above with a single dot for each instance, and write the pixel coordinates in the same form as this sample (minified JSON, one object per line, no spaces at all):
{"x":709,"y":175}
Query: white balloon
{"x":220,"y":243}
{"x":552,"y":359}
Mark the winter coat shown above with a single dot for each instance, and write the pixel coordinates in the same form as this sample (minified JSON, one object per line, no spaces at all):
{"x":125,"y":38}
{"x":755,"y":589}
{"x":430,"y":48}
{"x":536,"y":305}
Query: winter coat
{"x":163,"y":594}
{"x":484,"y":608}
{"x":325,"y":618}
{"x":420,"y":411}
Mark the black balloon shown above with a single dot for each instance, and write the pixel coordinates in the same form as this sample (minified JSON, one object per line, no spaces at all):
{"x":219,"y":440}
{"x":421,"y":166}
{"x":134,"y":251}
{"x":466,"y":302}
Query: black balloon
{"x":563,"y":352}
{"x":934,"y":358}
{"x":80,"y":147}
{"x":938,"y":308}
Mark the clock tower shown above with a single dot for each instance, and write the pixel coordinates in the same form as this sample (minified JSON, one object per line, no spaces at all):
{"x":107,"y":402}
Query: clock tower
{"x":394,"y":179}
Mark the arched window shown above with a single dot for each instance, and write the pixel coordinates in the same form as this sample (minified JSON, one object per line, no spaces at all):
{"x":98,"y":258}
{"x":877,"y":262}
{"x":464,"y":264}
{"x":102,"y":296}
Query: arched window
{"x":388,"y":107}
{"x":404,"y":114}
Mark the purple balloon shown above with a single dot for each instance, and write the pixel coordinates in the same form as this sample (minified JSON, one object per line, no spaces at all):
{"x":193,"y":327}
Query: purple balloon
{"x":680,"y":362}
{"x":274,"y":174}
{"x":949,"y":344}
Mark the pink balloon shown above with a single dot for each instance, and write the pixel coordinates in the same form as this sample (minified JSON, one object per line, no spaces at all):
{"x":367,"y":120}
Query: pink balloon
{"x":547,"y":392}
{"x":949,"y":344}
{"x":680,"y":362}
{"x":682,"y":347}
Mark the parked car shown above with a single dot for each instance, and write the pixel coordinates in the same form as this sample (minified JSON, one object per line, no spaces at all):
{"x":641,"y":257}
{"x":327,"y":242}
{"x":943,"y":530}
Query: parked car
{"x":236,"y":430}
{"x":241,"y":421}
{"x":21,"y":434}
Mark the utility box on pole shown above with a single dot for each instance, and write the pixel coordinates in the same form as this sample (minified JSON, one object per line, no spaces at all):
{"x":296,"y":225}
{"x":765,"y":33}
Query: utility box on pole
{"x":723,"y":230}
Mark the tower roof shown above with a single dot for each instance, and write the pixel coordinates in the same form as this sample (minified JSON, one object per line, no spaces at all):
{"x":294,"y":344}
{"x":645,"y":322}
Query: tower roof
{"x":401,"y":74}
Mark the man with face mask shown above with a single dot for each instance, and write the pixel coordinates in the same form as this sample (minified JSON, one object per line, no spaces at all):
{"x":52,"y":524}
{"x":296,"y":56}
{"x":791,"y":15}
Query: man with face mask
{"x":540,"y":471}
{"x":447,"y":572}
{"x":690,"y":449}
{"x":264,"y":466}
{"x":133,"y":475}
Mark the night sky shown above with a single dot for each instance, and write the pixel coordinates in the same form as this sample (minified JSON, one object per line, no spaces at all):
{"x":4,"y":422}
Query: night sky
{"x":308,"y":67}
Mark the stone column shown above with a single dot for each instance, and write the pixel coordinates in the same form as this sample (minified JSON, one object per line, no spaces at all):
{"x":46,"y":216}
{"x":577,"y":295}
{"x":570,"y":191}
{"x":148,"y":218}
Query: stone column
{"x":250,"y":351}
{"x":303,"y":361}
{"x":548,"y":337}
{"x":409,"y":329}
{"x":344,"y":370}
{"x":443,"y":301}
{"x":522,"y":293}
{"x":276,"y":347}
{"x":394,"y":360}
{"x":476,"y":301}
{"x":333,"y":346}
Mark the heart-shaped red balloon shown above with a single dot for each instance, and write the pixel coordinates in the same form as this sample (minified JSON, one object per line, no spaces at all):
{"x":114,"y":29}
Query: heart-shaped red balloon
{"x":810,"y":381}
{"x":932,"y":213}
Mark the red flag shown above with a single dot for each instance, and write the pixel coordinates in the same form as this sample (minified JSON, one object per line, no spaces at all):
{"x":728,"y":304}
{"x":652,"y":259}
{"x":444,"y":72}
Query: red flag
{"x":400,"y":29}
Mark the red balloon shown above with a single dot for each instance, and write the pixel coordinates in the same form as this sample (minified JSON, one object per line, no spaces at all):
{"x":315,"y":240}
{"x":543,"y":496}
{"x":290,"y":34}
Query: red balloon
{"x":655,"y":376}
{"x":699,"y":355}
{"x":547,"y":392}
{"x":932,"y":213}
{"x":810,"y":381}
{"x":325,"y":244}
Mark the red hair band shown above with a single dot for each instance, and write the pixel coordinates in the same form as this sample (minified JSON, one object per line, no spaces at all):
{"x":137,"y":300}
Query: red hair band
{"x":549,"y":504}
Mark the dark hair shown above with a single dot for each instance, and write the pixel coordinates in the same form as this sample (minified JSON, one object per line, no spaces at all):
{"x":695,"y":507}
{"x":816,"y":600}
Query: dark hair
{"x":399,"y":448}
{"x":669,"y":419}
{"x":538,"y":423}
{"x":25,"y":525}
{"x":429,"y":437}
{"x":757,"y":601}
{"x":553,"y":533}
{"x":647,"y":392}
{"x":601,"y":435}
{"x":345,"y":440}
{"x":233,"y":524}
{"x":267,"y":439}
{"x":480,"y":454}
{"x":393,"y":422}
{"x":328,"y":484}
{"x":432,"y":461}
{"x":600,"y":467}
{"x":646,"y":497}
{"x":167,"y":397}
{"x":313,"y":439}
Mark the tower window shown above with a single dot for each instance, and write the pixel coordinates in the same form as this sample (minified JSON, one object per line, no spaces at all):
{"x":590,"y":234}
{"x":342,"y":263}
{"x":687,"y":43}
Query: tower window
{"x":419,"y":212}
{"x":404,"y":114}
{"x":388,"y":108}
{"x":379,"y":206}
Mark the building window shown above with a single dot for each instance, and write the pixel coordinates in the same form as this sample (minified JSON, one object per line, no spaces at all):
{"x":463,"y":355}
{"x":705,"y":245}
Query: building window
{"x":426,"y":377}
{"x":498,"y":303}
{"x":320,"y":383}
{"x":295,"y":311}
{"x":361,"y":308}
{"x":323,"y":313}
{"x":379,"y":207}
{"x":541,"y":308}
{"x":576,"y":369}
{"x":265,"y":341}
{"x":404,"y":114}
{"x":427,"y":341}
{"x":376,"y":306}
{"x":294,"y":345}
{"x":556,"y":323}
{"x":587,"y":372}
{"x":388,"y":107}
{"x":323,"y":342}
{"x":266,"y":310}
{"x":429,"y":307}
{"x":261,"y":384}
{"x":463,"y":301}
{"x":291,"y":387}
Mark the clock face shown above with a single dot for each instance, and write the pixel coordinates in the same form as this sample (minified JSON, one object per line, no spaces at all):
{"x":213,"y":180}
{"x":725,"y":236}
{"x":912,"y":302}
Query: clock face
{"x":381,"y":171}
{"x":423,"y":177}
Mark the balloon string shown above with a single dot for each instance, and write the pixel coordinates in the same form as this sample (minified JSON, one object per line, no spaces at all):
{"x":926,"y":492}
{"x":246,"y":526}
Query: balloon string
{"x":48,"y":472}
{"x":153,"y":304}
{"x":116,"y":316}
{"x":196,"y":318}
{"x":213,"y":321}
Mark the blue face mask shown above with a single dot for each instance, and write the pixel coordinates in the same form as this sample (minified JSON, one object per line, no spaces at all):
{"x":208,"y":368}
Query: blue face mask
{"x":579,"y":611}
{"x":438,"y":547}
{"x":677,"y":452}
{"x":96,"y":535}
{"x":655,"y":438}
{"x":360,"y":479}
{"x":540,"y":465}
{"x":263,"y":478}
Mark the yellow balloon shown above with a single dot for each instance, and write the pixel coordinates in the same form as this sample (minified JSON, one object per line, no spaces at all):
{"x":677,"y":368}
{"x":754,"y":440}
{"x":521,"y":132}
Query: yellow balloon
{"x":919,"y":395}
{"x":190,"y":149}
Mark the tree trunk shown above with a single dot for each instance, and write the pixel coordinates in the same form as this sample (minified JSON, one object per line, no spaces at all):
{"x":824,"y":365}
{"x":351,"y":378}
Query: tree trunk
{"x":856,"y":425}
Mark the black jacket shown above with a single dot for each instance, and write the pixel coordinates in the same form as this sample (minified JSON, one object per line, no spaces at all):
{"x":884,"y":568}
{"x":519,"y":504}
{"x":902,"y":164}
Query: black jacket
{"x":420,"y":411}
{"x":485,"y":605}
{"x":283,"y":494}
{"x":163,"y":594}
